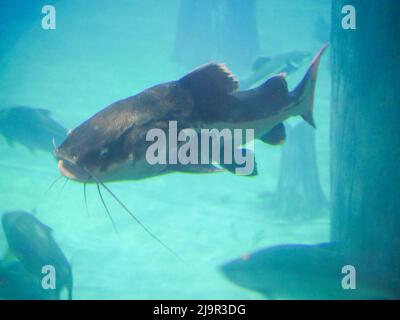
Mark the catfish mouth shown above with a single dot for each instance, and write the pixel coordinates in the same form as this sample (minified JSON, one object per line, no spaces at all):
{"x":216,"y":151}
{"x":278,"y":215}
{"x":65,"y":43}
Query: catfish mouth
{"x":73,"y":171}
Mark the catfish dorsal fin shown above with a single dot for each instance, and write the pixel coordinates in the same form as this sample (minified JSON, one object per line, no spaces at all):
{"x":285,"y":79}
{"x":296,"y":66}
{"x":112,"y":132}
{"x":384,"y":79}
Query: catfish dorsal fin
{"x":212,"y":77}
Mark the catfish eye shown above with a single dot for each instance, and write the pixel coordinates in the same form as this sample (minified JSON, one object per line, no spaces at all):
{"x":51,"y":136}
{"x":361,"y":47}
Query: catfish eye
{"x":104,"y":153}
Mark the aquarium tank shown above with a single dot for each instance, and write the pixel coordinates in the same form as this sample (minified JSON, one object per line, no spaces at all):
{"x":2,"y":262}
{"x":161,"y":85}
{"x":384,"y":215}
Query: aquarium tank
{"x":227,"y":150}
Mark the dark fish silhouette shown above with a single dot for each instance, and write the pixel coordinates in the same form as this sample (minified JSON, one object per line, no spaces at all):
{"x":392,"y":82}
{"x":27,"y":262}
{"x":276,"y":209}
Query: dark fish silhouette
{"x":264,"y":67}
{"x":111,"y":145}
{"x":298,"y":271}
{"x":32,"y":127}
{"x":17,"y":283}
{"x":32,"y":243}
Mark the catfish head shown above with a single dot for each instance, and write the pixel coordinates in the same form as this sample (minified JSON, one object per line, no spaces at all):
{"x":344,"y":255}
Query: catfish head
{"x":111,"y":145}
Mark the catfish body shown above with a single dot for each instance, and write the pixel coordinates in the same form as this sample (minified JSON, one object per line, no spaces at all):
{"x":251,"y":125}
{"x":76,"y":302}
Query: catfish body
{"x":296,"y":271}
{"x":32,"y":127}
{"x":32,"y":243}
{"x":111,"y":145}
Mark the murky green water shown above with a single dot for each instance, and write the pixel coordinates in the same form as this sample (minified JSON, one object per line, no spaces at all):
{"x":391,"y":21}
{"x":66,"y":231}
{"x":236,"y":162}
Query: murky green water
{"x":100,"y":53}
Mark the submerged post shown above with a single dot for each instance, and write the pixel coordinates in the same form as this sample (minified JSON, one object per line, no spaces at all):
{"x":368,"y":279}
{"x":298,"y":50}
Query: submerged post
{"x":365,"y":132}
{"x":299,"y":177}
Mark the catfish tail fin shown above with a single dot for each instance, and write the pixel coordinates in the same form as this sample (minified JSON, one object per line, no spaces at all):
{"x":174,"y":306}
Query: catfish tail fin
{"x":303,"y":94}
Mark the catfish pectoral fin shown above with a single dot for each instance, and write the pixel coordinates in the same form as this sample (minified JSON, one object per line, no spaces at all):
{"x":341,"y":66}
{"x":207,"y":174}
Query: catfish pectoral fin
{"x":234,"y":167}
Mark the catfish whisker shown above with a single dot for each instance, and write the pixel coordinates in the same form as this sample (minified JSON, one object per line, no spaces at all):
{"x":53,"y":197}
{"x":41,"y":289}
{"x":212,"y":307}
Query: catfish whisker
{"x":54,"y":142}
{"x":105,"y":207}
{"x":85,"y":197}
{"x":98,"y":182}
{"x":138,"y":221}
{"x":63,"y":186}
{"x":53,"y":183}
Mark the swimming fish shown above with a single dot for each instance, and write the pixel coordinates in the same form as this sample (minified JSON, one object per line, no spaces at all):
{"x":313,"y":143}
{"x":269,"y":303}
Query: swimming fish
{"x":111,"y":145}
{"x":264,"y":67}
{"x":17,"y":283}
{"x":296,"y":271}
{"x":31,"y":242}
{"x":32,"y":127}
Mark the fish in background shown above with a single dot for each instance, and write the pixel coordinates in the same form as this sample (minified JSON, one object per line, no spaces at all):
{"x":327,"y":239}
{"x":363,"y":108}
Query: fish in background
{"x":17,"y":283}
{"x":32,"y":127}
{"x":297,"y":271}
{"x":322,"y":30}
{"x":265,"y":67}
{"x":322,"y":33}
{"x":31,"y":242}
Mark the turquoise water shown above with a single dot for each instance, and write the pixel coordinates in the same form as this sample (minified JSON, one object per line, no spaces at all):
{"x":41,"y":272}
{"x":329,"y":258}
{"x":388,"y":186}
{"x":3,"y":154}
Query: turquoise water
{"x":101,"y":53}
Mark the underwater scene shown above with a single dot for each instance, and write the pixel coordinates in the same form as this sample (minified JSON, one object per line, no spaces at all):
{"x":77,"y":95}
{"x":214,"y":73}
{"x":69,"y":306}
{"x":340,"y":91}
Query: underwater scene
{"x":187,"y":149}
